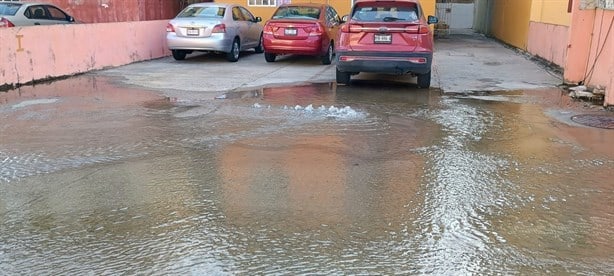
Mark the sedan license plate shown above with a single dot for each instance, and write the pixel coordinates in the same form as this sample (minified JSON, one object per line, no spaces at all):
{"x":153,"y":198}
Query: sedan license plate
{"x":192,"y":31}
{"x":382,"y":38}
{"x":290,"y":31}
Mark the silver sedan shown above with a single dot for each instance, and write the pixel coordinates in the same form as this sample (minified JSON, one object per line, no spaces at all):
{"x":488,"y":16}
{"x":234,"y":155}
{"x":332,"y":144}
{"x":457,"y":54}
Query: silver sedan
{"x":14,"y":14}
{"x":214,"y":27}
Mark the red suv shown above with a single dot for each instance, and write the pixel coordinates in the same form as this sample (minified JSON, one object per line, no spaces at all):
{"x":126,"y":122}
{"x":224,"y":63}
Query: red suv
{"x":301,"y":29}
{"x":386,"y":36}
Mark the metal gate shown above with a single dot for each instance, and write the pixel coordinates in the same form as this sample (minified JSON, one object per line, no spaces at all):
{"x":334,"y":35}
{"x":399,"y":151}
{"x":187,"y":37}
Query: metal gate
{"x":444,"y":10}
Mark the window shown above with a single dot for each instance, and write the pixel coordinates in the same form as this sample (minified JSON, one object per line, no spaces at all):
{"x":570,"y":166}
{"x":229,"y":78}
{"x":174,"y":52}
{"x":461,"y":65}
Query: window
{"x":265,"y":3}
{"x":36,"y":12}
{"x":57,"y":14}
{"x":247,"y":15}
{"x":203,"y":12}
{"x":332,"y":18}
{"x":386,"y":13}
{"x":237,"y":15}
{"x":9,"y":9}
{"x":297,"y":12}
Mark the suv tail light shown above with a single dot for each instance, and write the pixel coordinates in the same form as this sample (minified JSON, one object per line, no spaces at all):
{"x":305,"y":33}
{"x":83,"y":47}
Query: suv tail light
{"x":5,"y":23}
{"x":351,"y":28}
{"x":219,"y":28}
{"x":170,"y":28}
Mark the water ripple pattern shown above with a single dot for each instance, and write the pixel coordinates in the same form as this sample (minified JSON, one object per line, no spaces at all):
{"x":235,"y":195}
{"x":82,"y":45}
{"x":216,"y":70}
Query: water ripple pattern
{"x":464,"y":188}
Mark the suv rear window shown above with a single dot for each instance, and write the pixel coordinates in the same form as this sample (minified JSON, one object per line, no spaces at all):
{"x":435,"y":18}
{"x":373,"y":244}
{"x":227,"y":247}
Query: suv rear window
{"x":9,"y":8}
{"x":376,"y":13}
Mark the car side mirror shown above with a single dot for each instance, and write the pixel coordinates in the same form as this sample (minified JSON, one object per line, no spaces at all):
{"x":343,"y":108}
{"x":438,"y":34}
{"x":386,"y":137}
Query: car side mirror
{"x":432,"y":20}
{"x":258,"y":19}
{"x":344,"y":18}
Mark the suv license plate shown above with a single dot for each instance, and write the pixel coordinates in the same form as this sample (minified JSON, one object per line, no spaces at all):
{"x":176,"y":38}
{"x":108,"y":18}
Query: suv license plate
{"x":192,"y":32}
{"x":290,"y":31}
{"x":382,"y":38}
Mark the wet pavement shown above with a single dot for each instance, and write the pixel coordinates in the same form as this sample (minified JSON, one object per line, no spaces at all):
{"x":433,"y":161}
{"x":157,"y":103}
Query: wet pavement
{"x":97,"y":177}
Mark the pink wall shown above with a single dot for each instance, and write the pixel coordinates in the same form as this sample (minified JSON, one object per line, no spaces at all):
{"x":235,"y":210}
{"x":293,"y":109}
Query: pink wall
{"x":590,"y":57}
{"x":548,"y":41}
{"x":34,"y":53}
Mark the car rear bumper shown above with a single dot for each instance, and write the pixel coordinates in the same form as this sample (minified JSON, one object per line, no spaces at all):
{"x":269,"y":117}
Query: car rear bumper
{"x":309,"y":46}
{"x":384,"y":62}
{"x":216,"y":43}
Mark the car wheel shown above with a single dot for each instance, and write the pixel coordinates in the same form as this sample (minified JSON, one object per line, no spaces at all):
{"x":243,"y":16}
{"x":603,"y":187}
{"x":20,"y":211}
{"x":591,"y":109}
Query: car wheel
{"x":179,"y":54}
{"x":269,"y":57}
{"x":259,"y":49}
{"x":343,"y":77}
{"x":328,"y":57}
{"x":424,"y":80}
{"x":233,"y":55}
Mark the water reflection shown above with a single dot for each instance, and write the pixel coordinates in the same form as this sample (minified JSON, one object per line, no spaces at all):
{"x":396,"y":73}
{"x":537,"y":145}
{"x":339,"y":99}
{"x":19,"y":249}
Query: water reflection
{"x":96,"y":179}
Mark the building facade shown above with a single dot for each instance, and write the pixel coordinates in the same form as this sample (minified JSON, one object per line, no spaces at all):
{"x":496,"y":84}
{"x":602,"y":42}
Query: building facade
{"x":575,"y":35}
{"x":590,"y":53}
{"x":266,"y":8}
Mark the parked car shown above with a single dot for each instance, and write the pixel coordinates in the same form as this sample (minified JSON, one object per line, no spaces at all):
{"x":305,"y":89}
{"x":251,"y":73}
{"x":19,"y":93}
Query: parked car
{"x":15,"y":14}
{"x":301,"y":29}
{"x":390,"y":37}
{"x":214,"y":27}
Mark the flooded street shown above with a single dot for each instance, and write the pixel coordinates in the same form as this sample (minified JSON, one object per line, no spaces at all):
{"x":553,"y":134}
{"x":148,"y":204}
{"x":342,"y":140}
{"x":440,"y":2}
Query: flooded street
{"x":373,"y":178}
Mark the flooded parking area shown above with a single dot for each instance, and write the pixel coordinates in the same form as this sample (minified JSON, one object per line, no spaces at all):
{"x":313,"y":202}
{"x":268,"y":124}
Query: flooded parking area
{"x":372,"y":178}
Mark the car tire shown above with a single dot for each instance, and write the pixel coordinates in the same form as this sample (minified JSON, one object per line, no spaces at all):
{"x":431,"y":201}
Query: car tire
{"x":235,"y":50}
{"x":328,"y":57}
{"x":424,"y":80}
{"x":342,"y":77}
{"x":260,"y":48}
{"x":269,"y":57}
{"x":179,"y":54}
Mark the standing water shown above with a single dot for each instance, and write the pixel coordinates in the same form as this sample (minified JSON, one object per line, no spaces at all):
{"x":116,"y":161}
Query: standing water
{"x":315,"y":179}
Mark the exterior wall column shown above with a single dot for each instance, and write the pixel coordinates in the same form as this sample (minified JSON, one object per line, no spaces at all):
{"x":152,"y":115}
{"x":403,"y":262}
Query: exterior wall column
{"x":580,"y":36}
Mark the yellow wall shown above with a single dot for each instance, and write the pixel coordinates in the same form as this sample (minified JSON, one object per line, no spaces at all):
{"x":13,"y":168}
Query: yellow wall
{"x":342,"y":6}
{"x":551,"y":12}
{"x":510,"y":21}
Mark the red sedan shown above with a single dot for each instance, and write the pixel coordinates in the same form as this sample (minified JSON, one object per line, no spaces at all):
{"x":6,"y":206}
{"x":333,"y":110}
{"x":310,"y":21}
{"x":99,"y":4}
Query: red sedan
{"x":301,"y":29}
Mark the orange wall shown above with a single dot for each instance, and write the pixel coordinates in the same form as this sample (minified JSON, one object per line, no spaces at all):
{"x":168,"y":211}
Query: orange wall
{"x":549,"y":30}
{"x":510,"y":21}
{"x":551,"y":11}
{"x":341,"y":6}
{"x":39,"y":52}
{"x":590,"y":57}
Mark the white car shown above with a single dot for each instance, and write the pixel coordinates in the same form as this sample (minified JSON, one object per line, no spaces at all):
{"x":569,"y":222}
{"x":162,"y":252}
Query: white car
{"x":15,"y":14}
{"x":214,"y":27}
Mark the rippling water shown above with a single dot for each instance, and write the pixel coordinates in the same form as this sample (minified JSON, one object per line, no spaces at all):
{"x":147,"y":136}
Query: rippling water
{"x":367,"y":179}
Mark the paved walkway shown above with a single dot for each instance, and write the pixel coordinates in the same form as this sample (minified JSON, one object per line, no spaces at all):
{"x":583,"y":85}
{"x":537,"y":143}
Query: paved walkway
{"x":463,"y":63}
{"x":472,"y":62}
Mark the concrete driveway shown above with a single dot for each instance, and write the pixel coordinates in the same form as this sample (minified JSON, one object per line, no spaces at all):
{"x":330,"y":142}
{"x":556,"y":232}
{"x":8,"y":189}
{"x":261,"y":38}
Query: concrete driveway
{"x":463,"y":63}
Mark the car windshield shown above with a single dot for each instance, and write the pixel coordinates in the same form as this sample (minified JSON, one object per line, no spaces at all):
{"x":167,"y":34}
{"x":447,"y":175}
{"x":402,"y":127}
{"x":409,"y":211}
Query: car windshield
{"x":297,"y":12}
{"x":385,"y":14}
{"x":211,"y":12}
{"x":9,"y":8}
